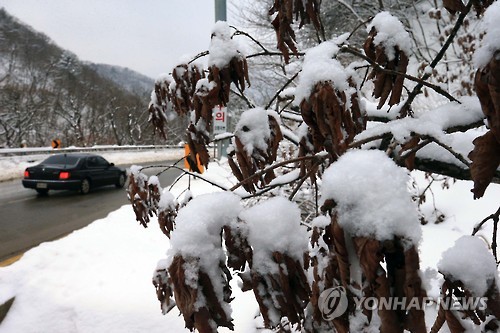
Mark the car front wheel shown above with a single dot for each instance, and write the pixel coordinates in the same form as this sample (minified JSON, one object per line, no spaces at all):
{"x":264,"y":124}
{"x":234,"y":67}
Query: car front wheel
{"x":85,"y":186}
{"x":121,"y":181}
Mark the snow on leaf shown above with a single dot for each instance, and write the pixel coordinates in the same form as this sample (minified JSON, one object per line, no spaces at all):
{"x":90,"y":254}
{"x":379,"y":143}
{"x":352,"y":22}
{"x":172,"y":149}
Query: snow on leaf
{"x":388,"y":44}
{"x":256,"y":141}
{"x":371,"y":196}
{"x":491,"y":41}
{"x":470,"y":262}
{"x":197,"y":261}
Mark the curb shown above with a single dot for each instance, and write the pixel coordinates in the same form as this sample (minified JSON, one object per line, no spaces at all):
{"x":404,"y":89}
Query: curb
{"x":11,"y":260}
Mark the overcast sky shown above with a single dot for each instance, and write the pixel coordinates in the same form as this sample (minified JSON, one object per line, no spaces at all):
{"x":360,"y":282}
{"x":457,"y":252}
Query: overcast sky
{"x":149,"y":36}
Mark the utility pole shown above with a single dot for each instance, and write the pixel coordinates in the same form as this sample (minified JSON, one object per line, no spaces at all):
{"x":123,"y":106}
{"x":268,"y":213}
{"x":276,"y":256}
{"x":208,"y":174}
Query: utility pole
{"x":221,"y":114}
{"x":220,"y":10}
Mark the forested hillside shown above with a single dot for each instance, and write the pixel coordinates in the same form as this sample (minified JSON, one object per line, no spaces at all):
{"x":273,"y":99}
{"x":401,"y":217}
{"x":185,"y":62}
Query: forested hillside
{"x":47,"y":93}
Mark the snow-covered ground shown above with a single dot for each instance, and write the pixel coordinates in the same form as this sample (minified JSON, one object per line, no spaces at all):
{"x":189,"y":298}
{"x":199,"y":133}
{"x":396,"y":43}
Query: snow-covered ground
{"x":98,"y":279}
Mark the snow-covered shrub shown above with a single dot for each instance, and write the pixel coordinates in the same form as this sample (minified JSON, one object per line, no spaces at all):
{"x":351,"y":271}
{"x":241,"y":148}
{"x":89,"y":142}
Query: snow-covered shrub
{"x":352,"y":130}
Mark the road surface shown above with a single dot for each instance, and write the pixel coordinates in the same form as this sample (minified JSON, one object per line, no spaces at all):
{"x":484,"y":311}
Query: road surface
{"x":27,"y":219}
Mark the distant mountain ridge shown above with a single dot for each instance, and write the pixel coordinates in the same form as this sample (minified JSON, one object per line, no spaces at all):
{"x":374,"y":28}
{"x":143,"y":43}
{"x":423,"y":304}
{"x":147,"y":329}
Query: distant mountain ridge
{"x":47,"y":92}
{"x":127,"y":78}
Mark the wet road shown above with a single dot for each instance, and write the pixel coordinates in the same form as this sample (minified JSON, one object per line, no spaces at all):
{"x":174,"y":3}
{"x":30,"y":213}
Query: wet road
{"x":27,"y":219}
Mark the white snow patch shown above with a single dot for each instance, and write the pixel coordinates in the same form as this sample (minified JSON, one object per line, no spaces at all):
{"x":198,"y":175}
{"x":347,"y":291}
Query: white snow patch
{"x":320,"y":65}
{"x":222,"y":47}
{"x":390,"y":34}
{"x":491,"y":42}
{"x":470,"y":261}
{"x":275,"y":225}
{"x":371,"y":195}
{"x":253,"y":129}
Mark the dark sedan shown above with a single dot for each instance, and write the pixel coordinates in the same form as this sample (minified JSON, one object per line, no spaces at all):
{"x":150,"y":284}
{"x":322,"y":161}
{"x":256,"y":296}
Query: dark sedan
{"x":79,"y":172}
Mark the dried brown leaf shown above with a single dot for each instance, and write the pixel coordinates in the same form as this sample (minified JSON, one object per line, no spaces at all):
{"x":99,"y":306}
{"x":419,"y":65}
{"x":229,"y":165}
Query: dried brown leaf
{"x":332,"y":120}
{"x":494,"y":90}
{"x":487,"y":84}
{"x":454,"y":6}
{"x":415,"y":319}
{"x":397,"y":88}
{"x":408,"y":146}
{"x":485,"y":161}
{"x":340,"y":251}
{"x":239,"y":251}
{"x":199,"y":312}
{"x":385,"y":84}
{"x":308,"y":11}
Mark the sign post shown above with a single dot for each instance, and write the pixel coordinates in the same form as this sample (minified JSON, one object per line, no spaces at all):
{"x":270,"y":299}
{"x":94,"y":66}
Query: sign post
{"x":220,"y":127}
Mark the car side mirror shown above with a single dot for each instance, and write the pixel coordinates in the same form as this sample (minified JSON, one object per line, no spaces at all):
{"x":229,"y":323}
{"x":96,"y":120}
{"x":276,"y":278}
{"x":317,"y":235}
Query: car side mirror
{"x":111,"y":164}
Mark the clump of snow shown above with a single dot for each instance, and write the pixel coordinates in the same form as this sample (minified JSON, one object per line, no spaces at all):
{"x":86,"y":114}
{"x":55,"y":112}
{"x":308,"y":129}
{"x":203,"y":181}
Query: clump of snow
{"x":371,"y":195}
{"x":164,"y":80}
{"x":222,"y":47}
{"x":167,"y":201}
{"x":286,"y":178}
{"x":390,"y":34}
{"x":275,"y":226}
{"x":491,"y":42}
{"x":253,"y":129}
{"x":140,"y":178}
{"x":154,"y":180}
{"x":320,"y":221}
{"x":320,"y":65}
{"x":203,"y":87}
{"x":199,"y":223}
{"x":197,"y":239}
{"x":469,"y":261}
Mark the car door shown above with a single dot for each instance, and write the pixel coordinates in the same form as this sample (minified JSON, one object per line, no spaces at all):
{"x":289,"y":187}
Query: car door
{"x":109,"y":174}
{"x":97,"y":171}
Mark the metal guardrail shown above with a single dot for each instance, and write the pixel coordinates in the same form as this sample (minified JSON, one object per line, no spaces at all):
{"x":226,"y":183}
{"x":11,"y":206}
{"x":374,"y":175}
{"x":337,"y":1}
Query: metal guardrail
{"x":45,"y":150}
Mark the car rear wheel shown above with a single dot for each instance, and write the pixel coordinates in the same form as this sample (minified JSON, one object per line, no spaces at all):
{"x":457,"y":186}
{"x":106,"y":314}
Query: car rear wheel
{"x":85,"y":186}
{"x":121,"y":181}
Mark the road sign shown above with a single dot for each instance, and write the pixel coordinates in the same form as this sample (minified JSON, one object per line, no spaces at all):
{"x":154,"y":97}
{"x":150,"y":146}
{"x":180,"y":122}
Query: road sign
{"x":56,"y":143}
{"x":220,"y":120}
{"x":189,"y":163}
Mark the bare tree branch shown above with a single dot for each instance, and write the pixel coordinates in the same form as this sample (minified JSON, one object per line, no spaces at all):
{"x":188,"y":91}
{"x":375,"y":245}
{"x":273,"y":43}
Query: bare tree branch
{"x":406,"y":109}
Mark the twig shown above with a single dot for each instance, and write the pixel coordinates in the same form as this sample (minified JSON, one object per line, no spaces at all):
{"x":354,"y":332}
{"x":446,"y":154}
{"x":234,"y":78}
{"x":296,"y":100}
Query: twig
{"x":186,"y":172}
{"x":495,"y":217}
{"x":281,"y":89}
{"x":414,"y":149}
{"x":357,"y":144}
{"x":266,"y":189}
{"x":303,"y":179}
{"x":199,"y":55}
{"x":450,"y":150}
{"x":349,"y":7}
{"x":241,"y":95}
{"x":405,"y":110}
{"x":243,"y":33}
{"x":269,"y":53}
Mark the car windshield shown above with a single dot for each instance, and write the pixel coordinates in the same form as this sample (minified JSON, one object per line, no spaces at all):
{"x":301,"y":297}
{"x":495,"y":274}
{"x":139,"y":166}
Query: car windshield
{"x":61,"y":159}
